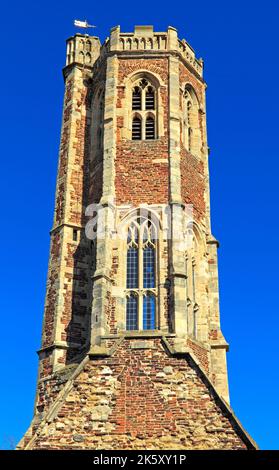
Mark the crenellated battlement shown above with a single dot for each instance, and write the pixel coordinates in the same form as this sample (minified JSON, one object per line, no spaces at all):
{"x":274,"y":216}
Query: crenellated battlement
{"x":144,"y":38}
{"x":84,"y":49}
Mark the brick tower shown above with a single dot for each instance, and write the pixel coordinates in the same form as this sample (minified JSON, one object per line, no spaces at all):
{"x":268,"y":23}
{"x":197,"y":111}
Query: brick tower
{"x":132,"y":353}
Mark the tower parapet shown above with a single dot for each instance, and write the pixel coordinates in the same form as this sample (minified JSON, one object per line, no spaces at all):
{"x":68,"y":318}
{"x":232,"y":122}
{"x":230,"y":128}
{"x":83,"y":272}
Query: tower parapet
{"x":145,"y":39}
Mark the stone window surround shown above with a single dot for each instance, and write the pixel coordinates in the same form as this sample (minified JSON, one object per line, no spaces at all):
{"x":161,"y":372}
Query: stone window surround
{"x":126,"y":107}
{"x":119,"y":290}
{"x":97,"y":126}
{"x":143,"y":84}
{"x":188,"y":94}
{"x":196,"y":263}
{"x":140,"y":292}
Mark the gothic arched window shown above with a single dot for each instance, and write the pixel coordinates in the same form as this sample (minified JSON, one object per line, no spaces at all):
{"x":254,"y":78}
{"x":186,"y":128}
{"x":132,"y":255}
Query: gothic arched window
{"x":192,"y":264}
{"x":101,"y":121}
{"x":144,"y":103}
{"x":141,"y":285}
{"x":98,"y":123}
{"x":191,"y":126}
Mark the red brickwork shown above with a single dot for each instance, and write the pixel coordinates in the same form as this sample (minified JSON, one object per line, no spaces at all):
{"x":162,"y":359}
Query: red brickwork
{"x":201,"y":353}
{"x":193,"y":184}
{"x":185,"y":76}
{"x":139,"y":178}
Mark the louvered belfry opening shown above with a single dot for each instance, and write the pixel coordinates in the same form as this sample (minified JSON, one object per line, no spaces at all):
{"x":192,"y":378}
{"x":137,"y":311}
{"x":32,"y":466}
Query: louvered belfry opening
{"x":136,"y":128}
{"x":144,"y":96}
{"x":150,"y":98}
{"x":136,"y":98}
{"x":150,"y":128}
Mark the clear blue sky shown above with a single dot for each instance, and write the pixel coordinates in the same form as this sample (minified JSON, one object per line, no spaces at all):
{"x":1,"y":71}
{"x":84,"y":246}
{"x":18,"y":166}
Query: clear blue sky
{"x":239,"y":43}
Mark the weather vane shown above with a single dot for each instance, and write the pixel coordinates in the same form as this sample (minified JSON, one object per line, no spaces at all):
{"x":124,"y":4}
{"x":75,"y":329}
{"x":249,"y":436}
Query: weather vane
{"x":83,"y":24}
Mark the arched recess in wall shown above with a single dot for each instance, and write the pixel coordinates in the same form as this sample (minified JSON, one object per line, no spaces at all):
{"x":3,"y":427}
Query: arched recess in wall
{"x":142,"y":91}
{"x":97,"y":132}
{"x":191,"y":128}
{"x":194,"y":258}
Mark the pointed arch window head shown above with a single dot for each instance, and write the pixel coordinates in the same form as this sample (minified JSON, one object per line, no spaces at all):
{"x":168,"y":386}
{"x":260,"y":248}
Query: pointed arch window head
{"x":150,"y":98}
{"x":141,"y":275}
{"x":144,"y":99}
{"x":136,"y":99}
{"x":148,"y":256}
{"x":132,"y":258}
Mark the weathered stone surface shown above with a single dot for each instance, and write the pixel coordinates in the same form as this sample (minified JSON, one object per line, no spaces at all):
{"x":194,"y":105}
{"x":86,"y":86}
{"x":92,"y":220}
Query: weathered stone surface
{"x":145,"y":409}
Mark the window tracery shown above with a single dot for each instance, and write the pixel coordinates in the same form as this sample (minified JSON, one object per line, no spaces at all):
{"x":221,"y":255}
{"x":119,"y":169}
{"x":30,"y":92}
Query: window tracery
{"x":141,"y":284}
{"x":143,"y":110}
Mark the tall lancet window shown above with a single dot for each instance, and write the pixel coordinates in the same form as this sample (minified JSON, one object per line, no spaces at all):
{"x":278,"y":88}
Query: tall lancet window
{"x":132,"y":281}
{"x":187,"y":123}
{"x":136,"y":128}
{"x":150,"y":98}
{"x":192,"y":265}
{"x":141,"y":285}
{"x":101,"y":121}
{"x":191,"y":123}
{"x":144,"y":114}
{"x":150,"y":128}
{"x":98,"y":124}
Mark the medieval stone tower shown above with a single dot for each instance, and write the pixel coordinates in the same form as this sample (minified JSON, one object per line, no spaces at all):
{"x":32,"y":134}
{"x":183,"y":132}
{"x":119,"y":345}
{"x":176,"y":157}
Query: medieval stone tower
{"x":132,"y":353}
